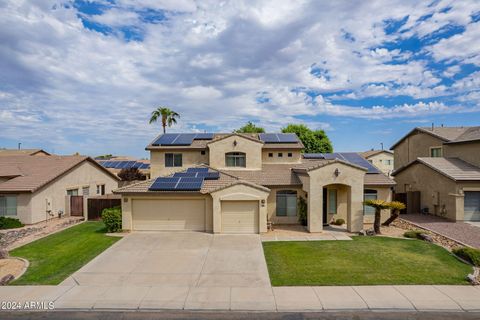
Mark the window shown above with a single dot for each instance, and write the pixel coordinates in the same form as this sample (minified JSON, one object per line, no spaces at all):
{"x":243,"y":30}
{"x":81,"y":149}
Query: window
{"x":173,"y":159}
{"x":436,"y":152}
{"x":290,"y":155}
{"x":370,"y":161}
{"x":101,"y":189}
{"x":86,"y":191}
{"x":286,"y":203}
{"x":332,"y":201}
{"x":202,"y":152}
{"x":72,"y":192}
{"x":388,"y":162}
{"x":270,"y":155}
{"x":369,"y":195}
{"x":235,"y":159}
{"x":280,"y":154}
{"x":8,"y":205}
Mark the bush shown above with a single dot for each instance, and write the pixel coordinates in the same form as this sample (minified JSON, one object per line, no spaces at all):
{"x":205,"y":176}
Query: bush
{"x":112,"y":217}
{"x":10,"y":223}
{"x":302,"y":211}
{"x":414,"y":234}
{"x":338,"y":222}
{"x":469,"y":254}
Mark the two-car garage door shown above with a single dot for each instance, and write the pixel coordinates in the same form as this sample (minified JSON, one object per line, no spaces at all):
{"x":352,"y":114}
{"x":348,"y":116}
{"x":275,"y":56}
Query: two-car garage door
{"x":472,"y":206}
{"x":169,"y":215}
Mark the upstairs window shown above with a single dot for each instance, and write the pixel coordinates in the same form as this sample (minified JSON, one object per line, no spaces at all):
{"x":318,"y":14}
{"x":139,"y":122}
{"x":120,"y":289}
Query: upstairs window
{"x":173,"y":159}
{"x":290,"y":155}
{"x":235,"y":159}
{"x":436,"y":152}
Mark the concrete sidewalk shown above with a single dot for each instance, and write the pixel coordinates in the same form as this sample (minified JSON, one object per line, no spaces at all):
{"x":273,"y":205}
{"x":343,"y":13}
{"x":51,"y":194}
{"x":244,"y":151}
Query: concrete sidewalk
{"x":406,"y":298}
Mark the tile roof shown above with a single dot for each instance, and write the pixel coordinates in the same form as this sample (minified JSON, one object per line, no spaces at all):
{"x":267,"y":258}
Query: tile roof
{"x":21,"y":152}
{"x":37,"y":171}
{"x":447,"y":134}
{"x":308,"y":165}
{"x":378,"y":179}
{"x":453,"y":168}
{"x":270,"y":175}
{"x":471,"y":134}
{"x":370,"y":153}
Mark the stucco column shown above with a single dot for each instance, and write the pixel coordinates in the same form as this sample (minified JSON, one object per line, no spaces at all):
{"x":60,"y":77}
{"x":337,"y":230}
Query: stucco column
{"x":127,"y":213}
{"x":315,"y":205}
{"x":217,"y":215}
{"x":355,"y":205}
{"x":262,"y":216}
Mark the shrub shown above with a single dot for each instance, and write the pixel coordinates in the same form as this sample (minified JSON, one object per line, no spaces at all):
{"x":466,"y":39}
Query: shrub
{"x":302,"y":211}
{"x":112,"y":217}
{"x":10,"y":223}
{"x":414,"y":234}
{"x":469,"y":254}
{"x":338,"y":222}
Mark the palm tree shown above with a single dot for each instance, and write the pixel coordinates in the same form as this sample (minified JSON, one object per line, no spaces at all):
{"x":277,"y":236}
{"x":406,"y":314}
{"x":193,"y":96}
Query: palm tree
{"x":168,"y":117}
{"x":378,"y":205}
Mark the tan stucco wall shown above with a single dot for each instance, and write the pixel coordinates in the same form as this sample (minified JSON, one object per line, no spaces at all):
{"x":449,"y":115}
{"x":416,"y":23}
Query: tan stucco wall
{"x":469,"y":152}
{"x":240,"y":192}
{"x":190,"y":158}
{"x":295,"y":158}
{"x":434,"y":187}
{"x":379,"y":161}
{"x":127,"y":201}
{"x":82,"y":176}
{"x":272,"y":205}
{"x":385,"y":194}
{"x":324,"y":176}
{"x":252,"y":149}
{"x":414,"y":146}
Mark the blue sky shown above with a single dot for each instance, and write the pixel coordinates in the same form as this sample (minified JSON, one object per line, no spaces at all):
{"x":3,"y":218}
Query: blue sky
{"x":83,"y":76}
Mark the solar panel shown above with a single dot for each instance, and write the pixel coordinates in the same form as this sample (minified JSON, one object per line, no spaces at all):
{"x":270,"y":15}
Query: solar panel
{"x":144,"y":166}
{"x":212,"y":176}
{"x":185,"y":174}
{"x":137,"y":165}
{"x":269,"y":137}
{"x":287,"y":137}
{"x":313,"y":156}
{"x":129,"y":164}
{"x":204,"y":136}
{"x":189,"y":184}
{"x":355,"y":158}
{"x":115,"y":164}
{"x":105,"y":164}
{"x":164,"y":184}
{"x":166,"y":139}
{"x":203,"y":169}
{"x":184,"y":139}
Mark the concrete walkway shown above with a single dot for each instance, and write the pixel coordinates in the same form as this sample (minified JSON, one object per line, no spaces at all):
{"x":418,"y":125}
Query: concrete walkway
{"x":406,"y":298}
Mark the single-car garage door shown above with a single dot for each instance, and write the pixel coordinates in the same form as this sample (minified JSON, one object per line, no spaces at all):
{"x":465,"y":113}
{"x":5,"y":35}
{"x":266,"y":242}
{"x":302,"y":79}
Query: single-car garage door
{"x":169,"y":215}
{"x":239,"y":216}
{"x":472,"y":206}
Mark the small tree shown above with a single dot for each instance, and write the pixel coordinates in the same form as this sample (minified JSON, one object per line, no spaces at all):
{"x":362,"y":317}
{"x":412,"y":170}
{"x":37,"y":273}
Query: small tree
{"x":395,"y":207}
{"x":315,"y":141}
{"x":378,"y":205}
{"x":131,"y":174}
{"x":250,"y":127}
{"x":302,"y":211}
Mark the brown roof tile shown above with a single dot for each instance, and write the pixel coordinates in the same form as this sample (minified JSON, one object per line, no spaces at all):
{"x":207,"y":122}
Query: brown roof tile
{"x":370,"y":153}
{"x":378,"y":179}
{"x":453,"y":168}
{"x":270,"y":175}
{"x":21,"y":152}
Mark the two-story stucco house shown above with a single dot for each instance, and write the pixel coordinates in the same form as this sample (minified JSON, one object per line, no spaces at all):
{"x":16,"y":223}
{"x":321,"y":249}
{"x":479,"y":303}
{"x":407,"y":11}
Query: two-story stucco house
{"x":443,"y":164}
{"x":238,"y":183}
{"x":382,"y":159}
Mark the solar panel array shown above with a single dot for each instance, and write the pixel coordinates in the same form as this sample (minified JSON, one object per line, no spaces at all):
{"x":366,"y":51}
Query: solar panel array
{"x":181,"y":139}
{"x":278,"y":137}
{"x":190,"y":180}
{"x":110,"y":164}
{"x":351,"y":157}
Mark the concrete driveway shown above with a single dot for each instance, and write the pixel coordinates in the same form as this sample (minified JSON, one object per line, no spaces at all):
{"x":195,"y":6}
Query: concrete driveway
{"x":187,"y":259}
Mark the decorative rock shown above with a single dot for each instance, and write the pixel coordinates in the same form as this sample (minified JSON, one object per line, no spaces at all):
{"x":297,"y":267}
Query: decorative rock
{"x":370,"y":232}
{"x":425,"y":237}
{"x":362,"y":233}
{"x":473,"y":280}
{"x":6,"y":279}
{"x":4,"y":254}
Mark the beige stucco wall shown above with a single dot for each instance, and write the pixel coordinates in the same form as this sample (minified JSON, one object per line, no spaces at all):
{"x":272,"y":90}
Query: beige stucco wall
{"x":190,"y":158}
{"x":438,"y":193}
{"x":350,"y":177}
{"x":469,"y":152}
{"x":416,"y":145}
{"x":379,"y":161}
{"x":295,"y":158}
{"x":385,"y":194}
{"x":240,"y":192}
{"x":84,"y":175}
{"x":252,"y":149}
{"x":127,"y":201}
{"x":272,"y":205}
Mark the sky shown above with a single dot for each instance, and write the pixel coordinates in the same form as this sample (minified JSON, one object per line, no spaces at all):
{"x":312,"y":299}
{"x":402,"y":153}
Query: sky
{"x":84,"y":76}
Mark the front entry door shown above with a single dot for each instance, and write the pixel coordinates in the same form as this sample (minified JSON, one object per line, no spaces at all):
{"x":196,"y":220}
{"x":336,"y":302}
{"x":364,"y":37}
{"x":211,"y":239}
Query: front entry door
{"x":324,"y":207}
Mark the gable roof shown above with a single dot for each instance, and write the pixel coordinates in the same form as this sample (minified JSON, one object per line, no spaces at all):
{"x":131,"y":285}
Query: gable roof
{"x":471,"y":134}
{"x":269,"y":175}
{"x":22,"y":152}
{"x":251,"y":137}
{"x":32,"y":173}
{"x":453,"y":168}
{"x":371,"y":153}
{"x":446,"y":134}
{"x":309,"y":165}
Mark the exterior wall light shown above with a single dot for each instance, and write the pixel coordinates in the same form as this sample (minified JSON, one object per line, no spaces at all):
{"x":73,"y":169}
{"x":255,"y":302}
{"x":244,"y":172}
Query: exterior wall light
{"x":234,"y":143}
{"x":262,"y":202}
{"x":337,"y":172}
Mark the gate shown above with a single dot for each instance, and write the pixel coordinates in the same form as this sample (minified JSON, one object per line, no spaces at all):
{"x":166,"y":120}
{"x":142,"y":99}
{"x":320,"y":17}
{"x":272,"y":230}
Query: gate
{"x":96,"y":206}
{"x":76,"y":206}
{"x":411,"y":199}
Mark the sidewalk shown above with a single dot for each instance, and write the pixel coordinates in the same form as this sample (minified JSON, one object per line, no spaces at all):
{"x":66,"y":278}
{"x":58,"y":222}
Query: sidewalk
{"x":405,"y":298}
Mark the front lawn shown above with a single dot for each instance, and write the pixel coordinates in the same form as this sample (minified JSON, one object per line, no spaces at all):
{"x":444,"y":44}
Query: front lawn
{"x":362,"y":261}
{"x":55,"y":257}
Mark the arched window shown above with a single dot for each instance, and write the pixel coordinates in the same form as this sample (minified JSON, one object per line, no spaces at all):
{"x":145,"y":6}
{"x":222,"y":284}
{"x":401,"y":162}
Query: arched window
{"x":286,"y":203}
{"x":369,"y":195}
{"x":235,"y":159}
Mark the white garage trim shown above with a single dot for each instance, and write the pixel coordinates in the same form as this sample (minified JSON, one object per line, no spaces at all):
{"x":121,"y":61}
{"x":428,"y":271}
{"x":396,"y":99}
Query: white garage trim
{"x":240,"y":216}
{"x":168,"y":214}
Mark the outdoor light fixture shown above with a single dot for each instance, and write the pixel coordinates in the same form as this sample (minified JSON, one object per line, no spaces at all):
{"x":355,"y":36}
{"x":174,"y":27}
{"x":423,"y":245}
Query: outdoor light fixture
{"x":337,"y":172}
{"x":234,"y":143}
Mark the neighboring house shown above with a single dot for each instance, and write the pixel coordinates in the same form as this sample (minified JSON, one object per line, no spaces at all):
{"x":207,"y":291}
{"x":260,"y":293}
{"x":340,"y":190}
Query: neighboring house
{"x":23,"y":152}
{"x":34,"y":189}
{"x":117,"y":164}
{"x":237,"y":183}
{"x":382,"y":159}
{"x":443,"y":164}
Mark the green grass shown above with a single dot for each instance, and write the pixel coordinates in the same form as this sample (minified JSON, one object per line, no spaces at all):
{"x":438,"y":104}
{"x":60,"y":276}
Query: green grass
{"x":55,"y":257}
{"x":363,"y":261}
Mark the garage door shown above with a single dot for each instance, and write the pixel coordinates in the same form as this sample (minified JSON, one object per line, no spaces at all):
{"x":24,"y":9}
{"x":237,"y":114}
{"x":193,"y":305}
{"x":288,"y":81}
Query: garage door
{"x":472,"y":206}
{"x":239,"y":216}
{"x":169,"y":215}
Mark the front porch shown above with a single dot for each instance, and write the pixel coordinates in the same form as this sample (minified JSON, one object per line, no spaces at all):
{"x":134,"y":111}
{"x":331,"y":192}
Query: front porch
{"x":297,"y":232}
